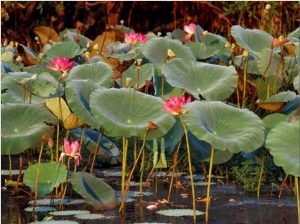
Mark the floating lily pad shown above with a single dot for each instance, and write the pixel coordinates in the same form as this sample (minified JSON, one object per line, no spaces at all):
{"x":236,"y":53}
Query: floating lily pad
{"x":70,"y":212}
{"x":39,"y":209}
{"x":95,"y":191}
{"x":179,"y":212}
{"x":50,"y":175}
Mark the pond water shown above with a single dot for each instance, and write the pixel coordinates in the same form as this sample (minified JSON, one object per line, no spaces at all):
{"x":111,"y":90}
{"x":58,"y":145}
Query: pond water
{"x":229,"y":204}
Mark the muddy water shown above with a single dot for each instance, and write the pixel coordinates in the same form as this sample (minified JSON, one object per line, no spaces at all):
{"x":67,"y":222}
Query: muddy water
{"x":230,"y":204}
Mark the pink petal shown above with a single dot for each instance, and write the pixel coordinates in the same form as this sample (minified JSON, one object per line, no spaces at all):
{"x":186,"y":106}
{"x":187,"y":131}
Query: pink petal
{"x":67,"y":146}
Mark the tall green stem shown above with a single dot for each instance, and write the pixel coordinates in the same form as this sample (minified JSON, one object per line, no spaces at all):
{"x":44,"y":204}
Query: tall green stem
{"x":297,"y":197}
{"x":37,"y":176}
{"x":245,"y":83}
{"x":124,"y":158}
{"x":260,"y":175}
{"x":96,"y":150}
{"x":209,"y":183}
{"x":190,"y":166}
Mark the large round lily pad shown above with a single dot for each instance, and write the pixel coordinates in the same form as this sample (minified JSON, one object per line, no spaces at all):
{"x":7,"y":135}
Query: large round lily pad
{"x":23,"y":125}
{"x":126,"y":113}
{"x":283,"y":143}
{"x":224,"y":126}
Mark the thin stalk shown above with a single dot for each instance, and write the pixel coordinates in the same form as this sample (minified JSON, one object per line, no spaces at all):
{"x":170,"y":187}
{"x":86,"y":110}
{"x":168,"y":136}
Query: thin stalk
{"x":174,"y":167}
{"x":20,"y":171}
{"x":297,"y":197}
{"x":260,"y":175}
{"x":245,"y":83}
{"x":124,"y":158}
{"x":190,"y":166}
{"x":138,"y":77}
{"x":209,"y":183}
{"x":9,"y":161}
{"x":66,"y":184}
{"x":37,"y":177}
{"x":142,"y":171}
{"x":162,"y":86}
{"x":96,"y":149}
{"x":133,"y":168}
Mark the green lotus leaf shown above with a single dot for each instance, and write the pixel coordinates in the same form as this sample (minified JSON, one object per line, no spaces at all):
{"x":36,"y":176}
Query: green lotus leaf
{"x":68,"y":49}
{"x":213,"y":82}
{"x":159,"y":82}
{"x":200,"y":50}
{"x":251,"y":40}
{"x":13,"y":93}
{"x":23,"y":125}
{"x":159,"y":156}
{"x":224,"y":126}
{"x":156,"y":50}
{"x":269,"y":64}
{"x":282,"y":97}
{"x":296,"y":83}
{"x":78,"y":97}
{"x":272,"y":120}
{"x":146,"y":72}
{"x":178,"y":34}
{"x":99,"y":73}
{"x":126,"y":113}
{"x":72,"y":34}
{"x":251,"y":64}
{"x":294,"y":36}
{"x":50,"y":175}
{"x":283,"y":143}
{"x":214,"y":41}
{"x":44,"y":85}
{"x":7,"y":56}
{"x":94,"y":190}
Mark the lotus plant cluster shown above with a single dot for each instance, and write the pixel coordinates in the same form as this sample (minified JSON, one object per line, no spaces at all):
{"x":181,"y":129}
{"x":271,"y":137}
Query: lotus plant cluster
{"x":162,"y":93}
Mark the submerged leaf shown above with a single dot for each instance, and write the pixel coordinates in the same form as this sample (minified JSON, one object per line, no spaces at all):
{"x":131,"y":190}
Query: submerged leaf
{"x":94,"y":190}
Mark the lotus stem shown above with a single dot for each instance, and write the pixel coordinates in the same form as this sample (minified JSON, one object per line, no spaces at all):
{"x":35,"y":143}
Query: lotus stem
{"x":9,"y":161}
{"x":124,"y":158}
{"x":245,"y":83}
{"x":138,"y":76}
{"x":132,"y":170}
{"x":20,"y":171}
{"x":37,"y":176}
{"x":190,"y":166}
{"x":162,"y":86}
{"x":209,"y":183}
{"x":297,"y":197}
{"x":96,"y":149}
{"x":260,"y":175}
{"x":142,"y":171}
{"x":174,"y":168}
{"x":66,"y":185}
{"x":59,"y":116}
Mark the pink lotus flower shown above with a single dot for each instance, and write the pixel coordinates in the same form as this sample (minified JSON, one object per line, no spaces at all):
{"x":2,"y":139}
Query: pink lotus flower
{"x":174,"y":104}
{"x":132,"y":38}
{"x":61,"y":64}
{"x":72,"y":150}
{"x":142,"y":38}
{"x":190,"y":29}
